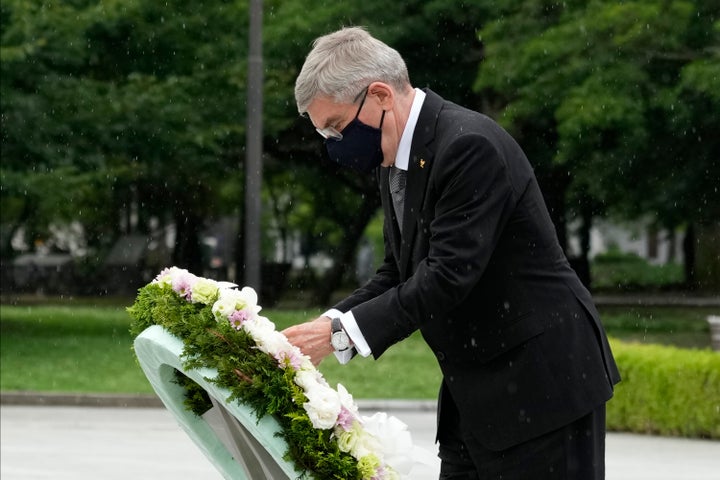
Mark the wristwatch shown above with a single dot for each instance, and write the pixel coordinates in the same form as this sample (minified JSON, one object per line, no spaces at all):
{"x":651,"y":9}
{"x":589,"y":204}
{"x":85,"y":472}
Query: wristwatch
{"x":338,"y":338}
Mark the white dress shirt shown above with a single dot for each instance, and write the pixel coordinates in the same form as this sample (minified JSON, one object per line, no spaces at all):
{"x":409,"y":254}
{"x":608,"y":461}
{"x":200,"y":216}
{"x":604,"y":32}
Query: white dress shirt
{"x":402,"y":161}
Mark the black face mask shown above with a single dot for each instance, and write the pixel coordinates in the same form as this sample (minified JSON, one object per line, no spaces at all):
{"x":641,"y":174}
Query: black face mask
{"x":359,"y":148}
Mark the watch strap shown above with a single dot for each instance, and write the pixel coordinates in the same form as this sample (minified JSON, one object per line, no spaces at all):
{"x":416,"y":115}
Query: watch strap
{"x":336,"y":325}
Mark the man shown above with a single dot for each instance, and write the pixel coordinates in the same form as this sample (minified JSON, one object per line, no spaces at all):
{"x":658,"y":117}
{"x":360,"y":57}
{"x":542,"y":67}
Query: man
{"x":472,"y":261}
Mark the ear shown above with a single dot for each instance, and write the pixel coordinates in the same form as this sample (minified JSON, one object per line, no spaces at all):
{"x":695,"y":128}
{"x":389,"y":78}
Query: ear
{"x":383,"y":93}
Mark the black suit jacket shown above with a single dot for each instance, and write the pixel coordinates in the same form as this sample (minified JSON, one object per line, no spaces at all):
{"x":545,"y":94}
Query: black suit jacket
{"x":479,"y":271}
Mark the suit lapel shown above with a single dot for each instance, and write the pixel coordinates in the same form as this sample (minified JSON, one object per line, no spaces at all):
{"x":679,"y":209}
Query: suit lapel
{"x":414,"y":194}
{"x":420,"y":165}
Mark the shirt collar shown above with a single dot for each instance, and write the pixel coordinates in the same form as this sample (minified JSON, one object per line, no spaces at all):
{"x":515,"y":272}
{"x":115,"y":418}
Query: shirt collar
{"x":402,"y":158}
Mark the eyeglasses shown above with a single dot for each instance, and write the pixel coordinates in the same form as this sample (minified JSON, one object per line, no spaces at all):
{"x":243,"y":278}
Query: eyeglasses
{"x":331,"y":133}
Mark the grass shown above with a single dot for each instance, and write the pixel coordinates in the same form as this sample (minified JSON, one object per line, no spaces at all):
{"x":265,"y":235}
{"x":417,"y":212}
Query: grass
{"x":86,"y":348}
{"x":681,"y":327}
{"x":57,"y":348}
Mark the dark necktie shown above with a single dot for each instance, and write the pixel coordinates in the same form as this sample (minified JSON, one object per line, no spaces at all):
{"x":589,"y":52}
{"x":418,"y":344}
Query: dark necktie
{"x":397,"y":190}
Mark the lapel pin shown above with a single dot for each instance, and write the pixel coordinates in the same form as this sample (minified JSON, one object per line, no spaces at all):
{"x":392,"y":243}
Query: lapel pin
{"x":422,"y":163}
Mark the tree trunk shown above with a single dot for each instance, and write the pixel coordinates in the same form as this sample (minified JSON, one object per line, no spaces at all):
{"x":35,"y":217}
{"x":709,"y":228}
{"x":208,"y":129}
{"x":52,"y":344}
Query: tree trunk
{"x":240,"y":248}
{"x":689,"y":253}
{"x":582,"y":263}
{"x":187,"y":253}
{"x":707,"y":257}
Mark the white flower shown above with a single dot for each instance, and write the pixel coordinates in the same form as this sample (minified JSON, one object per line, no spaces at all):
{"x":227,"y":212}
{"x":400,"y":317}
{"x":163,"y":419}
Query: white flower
{"x":346,"y":439}
{"x":307,"y":379}
{"x":323,"y":406}
{"x":224,"y":306}
{"x":259,"y":328}
{"x":346,"y":400}
{"x":357,"y":441}
{"x":247,"y":299}
{"x":231,"y":300}
{"x":274,"y":342}
{"x":395,"y":441}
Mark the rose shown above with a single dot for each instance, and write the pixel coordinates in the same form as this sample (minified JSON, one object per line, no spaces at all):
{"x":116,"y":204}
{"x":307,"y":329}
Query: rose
{"x":365,"y":444}
{"x":259,"y":328}
{"x":224,"y":306}
{"x":274,"y":343}
{"x":347,"y":438}
{"x":323,"y":406}
{"x":204,"y":291}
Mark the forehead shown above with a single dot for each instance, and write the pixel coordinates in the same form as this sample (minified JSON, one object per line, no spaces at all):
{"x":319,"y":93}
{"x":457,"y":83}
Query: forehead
{"x":324,"y":111}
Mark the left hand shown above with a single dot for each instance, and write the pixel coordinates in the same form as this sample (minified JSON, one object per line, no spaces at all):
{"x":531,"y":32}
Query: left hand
{"x":312,"y":338}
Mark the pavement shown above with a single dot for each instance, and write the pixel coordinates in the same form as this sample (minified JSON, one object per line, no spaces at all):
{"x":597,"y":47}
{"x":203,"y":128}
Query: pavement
{"x":76,"y":440}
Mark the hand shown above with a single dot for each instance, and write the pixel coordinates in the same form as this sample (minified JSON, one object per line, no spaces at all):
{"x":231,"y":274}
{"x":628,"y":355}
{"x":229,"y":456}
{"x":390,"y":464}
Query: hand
{"x":313,"y":338}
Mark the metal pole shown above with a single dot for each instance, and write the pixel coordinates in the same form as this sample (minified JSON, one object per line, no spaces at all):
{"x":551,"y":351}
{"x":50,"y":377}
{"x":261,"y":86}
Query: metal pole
{"x":253,"y":162}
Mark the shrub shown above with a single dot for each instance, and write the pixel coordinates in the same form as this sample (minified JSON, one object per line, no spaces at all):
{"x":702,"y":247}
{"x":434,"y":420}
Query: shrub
{"x":666,"y":390}
{"x":615,"y":270}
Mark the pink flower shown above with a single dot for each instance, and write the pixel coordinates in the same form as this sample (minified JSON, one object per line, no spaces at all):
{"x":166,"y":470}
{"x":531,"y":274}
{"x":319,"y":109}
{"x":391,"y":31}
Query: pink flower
{"x":292,"y":359}
{"x":345,"y":419}
{"x":380,"y":473}
{"x":237,"y":318}
{"x":182,"y":287}
{"x":182,"y":282}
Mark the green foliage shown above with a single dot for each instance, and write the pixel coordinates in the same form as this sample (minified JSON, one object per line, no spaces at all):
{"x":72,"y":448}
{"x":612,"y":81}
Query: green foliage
{"x":251,"y":376}
{"x":618,"y":97}
{"x":197,"y":399}
{"x":108,"y":104}
{"x":667,"y":391}
{"x":116,"y":106}
{"x":619,"y":271}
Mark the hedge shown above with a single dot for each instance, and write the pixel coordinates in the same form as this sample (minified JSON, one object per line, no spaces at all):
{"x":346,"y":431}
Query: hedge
{"x":666,"y":390}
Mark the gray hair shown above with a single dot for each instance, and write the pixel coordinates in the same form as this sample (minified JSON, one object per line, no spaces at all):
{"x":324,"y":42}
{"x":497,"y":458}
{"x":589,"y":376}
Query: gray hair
{"x":341,"y":64}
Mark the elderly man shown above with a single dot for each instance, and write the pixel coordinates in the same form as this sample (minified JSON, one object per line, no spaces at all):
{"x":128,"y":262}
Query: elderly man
{"x":471,"y":260}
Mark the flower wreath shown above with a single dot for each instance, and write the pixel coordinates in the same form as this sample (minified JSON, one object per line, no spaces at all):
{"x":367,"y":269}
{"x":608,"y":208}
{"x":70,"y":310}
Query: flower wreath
{"x":221,"y":329}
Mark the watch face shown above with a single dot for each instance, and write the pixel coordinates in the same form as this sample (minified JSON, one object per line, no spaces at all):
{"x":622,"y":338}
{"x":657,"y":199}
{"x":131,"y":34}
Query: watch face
{"x":340,"y":341}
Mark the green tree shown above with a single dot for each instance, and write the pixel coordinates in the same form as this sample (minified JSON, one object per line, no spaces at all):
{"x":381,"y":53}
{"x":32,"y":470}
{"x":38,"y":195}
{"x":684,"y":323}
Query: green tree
{"x":114,"y":107}
{"x":119,"y":106}
{"x":618,"y":101}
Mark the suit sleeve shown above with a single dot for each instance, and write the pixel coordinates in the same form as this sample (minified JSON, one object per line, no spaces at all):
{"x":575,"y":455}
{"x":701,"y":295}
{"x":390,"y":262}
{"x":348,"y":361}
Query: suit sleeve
{"x":474,"y":199}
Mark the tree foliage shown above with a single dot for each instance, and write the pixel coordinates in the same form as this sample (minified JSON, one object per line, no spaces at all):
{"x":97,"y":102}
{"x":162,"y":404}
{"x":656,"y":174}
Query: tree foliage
{"x":118,"y":112}
{"x":620,"y":96}
{"x":127,"y":100}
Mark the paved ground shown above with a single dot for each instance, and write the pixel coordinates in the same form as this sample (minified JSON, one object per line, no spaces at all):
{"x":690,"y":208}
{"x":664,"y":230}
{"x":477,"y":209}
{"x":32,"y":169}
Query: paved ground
{"x":82,"y":443}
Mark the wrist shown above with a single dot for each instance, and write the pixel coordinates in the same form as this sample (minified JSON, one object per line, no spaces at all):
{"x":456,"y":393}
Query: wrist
{"x":339,"y":339}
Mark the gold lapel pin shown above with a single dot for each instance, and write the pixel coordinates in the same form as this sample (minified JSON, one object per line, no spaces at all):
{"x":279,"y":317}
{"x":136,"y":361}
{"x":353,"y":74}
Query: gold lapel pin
{"x":422,"y":163}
